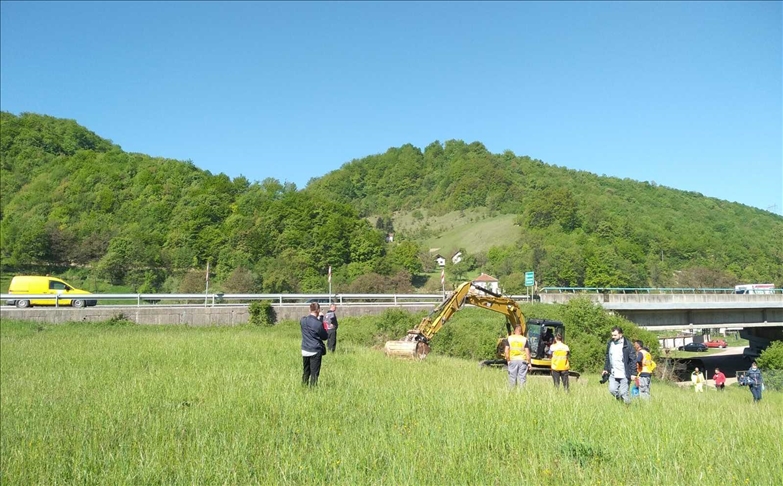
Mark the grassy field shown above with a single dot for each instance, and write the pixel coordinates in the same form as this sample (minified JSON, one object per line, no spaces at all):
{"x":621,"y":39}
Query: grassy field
{"x":126,"y":404}
{"x":466,"y":229}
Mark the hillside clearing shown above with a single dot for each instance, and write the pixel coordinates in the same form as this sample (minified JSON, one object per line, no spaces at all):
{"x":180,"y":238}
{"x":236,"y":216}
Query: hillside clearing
{"x":475,"y":230}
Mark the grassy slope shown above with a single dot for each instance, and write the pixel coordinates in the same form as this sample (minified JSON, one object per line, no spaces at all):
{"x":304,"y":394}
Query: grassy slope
{"x":139,"y":405}
{"x":462,"y":229}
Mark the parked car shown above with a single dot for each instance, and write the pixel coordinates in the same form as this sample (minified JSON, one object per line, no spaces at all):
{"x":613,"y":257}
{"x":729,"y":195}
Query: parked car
{"x":716,"y":343}
{"x":694,"y":347}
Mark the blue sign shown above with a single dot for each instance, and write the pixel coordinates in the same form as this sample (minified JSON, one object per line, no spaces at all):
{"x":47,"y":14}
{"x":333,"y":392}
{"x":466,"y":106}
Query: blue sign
{"x":529,"y":279}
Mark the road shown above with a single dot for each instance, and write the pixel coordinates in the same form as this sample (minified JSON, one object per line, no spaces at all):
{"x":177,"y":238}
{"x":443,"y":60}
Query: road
{"x":729,"y":361}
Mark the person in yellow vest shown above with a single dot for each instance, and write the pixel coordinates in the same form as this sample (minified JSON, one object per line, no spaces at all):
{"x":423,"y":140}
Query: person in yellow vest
{"x":644,"y":369}
{"x":697,"y":377}
{"x":561,"y":355}
{"x":517,"y":354}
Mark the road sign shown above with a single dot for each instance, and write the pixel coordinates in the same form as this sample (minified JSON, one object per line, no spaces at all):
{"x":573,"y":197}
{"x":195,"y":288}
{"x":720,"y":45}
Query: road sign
{"x":529,"y":279}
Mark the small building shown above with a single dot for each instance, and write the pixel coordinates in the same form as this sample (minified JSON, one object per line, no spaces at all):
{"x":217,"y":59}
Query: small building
{"x":389,"y":237}
{"x":440,"y":260}
{"x":488,"y":282}
{"x":456,"y":258}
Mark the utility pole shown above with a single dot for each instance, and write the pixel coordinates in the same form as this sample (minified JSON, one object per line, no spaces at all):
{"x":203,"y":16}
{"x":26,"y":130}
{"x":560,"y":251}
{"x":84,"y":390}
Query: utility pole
{"x":206,"y":291}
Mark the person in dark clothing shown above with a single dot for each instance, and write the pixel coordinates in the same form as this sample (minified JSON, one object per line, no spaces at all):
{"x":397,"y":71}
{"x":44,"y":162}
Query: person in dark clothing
{"x":754,"y":381}
{"x":619,"y":365}
{"x":313,"y":348}
{"x":330,"y":323}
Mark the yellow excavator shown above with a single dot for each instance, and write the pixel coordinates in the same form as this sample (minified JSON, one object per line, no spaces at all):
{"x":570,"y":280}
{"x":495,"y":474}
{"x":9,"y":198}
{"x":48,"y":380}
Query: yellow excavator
{"x":539,"y":332}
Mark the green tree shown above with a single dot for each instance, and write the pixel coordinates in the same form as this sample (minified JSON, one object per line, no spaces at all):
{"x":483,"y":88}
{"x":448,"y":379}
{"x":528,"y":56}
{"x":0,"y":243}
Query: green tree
{"x":406,"y":255}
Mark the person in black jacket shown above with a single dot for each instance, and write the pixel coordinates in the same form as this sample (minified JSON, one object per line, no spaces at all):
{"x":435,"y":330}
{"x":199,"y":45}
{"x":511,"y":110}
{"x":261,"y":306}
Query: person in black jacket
{"x":619,"y":365}
{"x":330,"y":322}
{"x":313,"y":348}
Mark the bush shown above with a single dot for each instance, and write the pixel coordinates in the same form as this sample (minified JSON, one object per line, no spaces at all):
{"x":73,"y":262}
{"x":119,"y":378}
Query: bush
{"x":771,"y":363}
{"x":773,"y":379}
{"x":394,"y":324}
{"x":772,"y":357}
{"x":119,"y":319}
{"x":262,"y":313}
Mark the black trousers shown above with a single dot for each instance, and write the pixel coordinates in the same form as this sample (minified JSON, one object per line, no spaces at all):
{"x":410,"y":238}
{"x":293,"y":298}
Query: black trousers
{"x":331,"y":341}
{"x":560,"y":375}
{"x":311,"y":369}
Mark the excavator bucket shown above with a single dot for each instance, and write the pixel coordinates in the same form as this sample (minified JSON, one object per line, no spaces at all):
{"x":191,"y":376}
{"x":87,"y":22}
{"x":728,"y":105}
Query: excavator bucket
{"x":407,"y":349}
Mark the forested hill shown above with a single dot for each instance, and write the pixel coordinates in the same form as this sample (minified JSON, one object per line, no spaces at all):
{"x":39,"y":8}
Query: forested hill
{"x":573,"y":227}
{"x":72,"y":201}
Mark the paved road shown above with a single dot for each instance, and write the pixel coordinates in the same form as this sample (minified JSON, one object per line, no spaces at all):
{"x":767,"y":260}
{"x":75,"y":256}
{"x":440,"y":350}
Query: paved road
{"x":729,"y":361}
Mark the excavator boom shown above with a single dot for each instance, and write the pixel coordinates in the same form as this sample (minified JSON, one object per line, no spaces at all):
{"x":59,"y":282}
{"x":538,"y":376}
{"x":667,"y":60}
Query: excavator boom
{"x":416,"y":343}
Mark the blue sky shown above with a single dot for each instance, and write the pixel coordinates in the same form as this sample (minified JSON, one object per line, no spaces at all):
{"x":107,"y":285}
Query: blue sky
{"x":686,"y":94}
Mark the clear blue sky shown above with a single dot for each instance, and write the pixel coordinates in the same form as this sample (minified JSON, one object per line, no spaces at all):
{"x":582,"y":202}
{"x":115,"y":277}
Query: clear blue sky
{"x":684,"y":94}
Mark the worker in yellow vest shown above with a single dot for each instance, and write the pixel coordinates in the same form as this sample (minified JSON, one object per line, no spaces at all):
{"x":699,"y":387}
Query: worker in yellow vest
{"x":644,"y":368}
{"x":517,"y":354}
{"x":697,"y":377}
{"x":561,"y":355}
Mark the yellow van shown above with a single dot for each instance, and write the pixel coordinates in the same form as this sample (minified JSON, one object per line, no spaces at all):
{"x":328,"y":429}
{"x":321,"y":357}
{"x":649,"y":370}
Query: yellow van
{"x":23,"y":284}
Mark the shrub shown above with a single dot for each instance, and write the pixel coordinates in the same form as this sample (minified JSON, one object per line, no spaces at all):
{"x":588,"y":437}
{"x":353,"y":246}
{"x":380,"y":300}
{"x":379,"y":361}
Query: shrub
{"x":771,"y":363}
{"x":262,"y":313}
{"x":772,"y":357}
{"x":394,"y":324}
{"x":119,"y":319}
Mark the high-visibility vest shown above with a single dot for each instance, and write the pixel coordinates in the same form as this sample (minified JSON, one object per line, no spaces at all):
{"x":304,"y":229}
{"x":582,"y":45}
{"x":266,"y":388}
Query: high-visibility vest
{"x":516,"y":348}
{"x":646,"y":366}
{"x":560,"y":357}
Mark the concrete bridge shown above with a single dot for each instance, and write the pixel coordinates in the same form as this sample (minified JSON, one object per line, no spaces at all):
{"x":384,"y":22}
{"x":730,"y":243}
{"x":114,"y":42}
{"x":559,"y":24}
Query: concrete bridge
{"x":678,"y":311}
{"x":760,"y":317}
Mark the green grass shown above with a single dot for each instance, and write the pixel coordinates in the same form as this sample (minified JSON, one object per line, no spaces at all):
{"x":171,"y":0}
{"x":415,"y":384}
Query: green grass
{"x":694,"y":354}
{"x":5,"y":281}
{"x":125,"y":404}
{"x":732,"y":341}
{"x":466,"y":229}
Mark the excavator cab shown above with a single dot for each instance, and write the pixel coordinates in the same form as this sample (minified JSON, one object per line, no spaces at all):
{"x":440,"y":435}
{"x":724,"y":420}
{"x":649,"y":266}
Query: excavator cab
{"x":541,"y":334}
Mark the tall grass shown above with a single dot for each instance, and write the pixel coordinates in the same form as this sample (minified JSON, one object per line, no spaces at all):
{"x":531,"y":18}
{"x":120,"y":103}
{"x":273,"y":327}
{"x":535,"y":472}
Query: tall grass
{"x":125,"y":404}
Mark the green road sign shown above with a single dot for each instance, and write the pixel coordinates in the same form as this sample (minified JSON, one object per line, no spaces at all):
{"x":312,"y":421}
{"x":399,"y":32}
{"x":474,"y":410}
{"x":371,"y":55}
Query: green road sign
{"x":529,"y":279}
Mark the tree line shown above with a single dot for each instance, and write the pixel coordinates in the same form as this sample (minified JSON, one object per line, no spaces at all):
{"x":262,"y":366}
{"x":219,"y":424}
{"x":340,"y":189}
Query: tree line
{"x":71,"y":199}
{"x":575,"y":228}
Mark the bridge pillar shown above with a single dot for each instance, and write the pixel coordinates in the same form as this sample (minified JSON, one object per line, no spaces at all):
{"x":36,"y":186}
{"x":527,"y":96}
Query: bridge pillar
{"x":759,"y":338}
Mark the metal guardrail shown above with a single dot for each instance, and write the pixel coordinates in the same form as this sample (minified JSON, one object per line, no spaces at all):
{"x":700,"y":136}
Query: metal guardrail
{"x":237,"y":299}
{"x":215,"y":299}
{"x":650,"y":290}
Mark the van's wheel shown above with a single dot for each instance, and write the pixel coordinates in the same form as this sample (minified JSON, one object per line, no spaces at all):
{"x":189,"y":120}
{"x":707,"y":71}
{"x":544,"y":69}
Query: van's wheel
{"x":77,"y":303}
{"x":23,"y":304}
